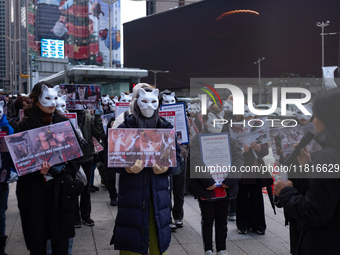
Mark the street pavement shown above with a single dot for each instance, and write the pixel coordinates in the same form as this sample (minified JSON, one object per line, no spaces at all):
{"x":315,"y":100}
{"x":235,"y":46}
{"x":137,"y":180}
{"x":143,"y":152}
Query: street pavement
{"x":187,"y":240}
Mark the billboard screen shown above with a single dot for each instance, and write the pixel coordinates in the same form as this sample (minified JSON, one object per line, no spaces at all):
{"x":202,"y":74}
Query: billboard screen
{"x":52,"y":48}
{"x":83,"y":25}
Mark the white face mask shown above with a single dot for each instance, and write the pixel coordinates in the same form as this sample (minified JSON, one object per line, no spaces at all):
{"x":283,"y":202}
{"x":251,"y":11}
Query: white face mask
{"x":169,"y":99}
{"x":198,"y":107}
{"x":247,"y":112}
{"x":106,"y":100}
{"x":49,"y":96}
{"x":228,"y":106}
{"x":1,"y":109}
{"x":125,"y":98}
{"x":192,"y":108}
{"x":301,"y":116}
{"x":217,"y":128}
{"x":148,"y":102}
{"x":61,"y":104}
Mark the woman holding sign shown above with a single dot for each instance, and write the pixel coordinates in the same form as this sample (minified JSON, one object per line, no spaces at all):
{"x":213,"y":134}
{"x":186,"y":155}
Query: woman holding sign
{"x":213,"y":200}
{"x":42,"y":215}
{"x":143,"y":217}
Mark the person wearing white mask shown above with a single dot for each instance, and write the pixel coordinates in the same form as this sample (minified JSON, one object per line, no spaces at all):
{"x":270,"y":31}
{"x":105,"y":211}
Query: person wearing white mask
{"x":143,"y":218}
{"x":214,"y":207}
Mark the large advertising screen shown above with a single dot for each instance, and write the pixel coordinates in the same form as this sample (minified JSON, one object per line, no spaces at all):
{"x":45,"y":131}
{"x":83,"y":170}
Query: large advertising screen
{"x":52,"y":48}
{"x":83,"y":26}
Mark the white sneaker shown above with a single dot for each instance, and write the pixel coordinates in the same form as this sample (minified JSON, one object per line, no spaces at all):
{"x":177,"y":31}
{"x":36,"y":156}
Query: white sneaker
{"x":209,"y":252}
{"x":224,"y":252}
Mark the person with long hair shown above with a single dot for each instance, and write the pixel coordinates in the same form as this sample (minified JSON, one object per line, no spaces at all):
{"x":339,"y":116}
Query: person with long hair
{"x":39,"y":201}
{"x":317,"y":209}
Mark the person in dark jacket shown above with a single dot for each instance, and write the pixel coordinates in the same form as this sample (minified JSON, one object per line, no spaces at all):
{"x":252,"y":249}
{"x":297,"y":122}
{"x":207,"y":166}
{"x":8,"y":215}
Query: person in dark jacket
{"x":5,"y":173}
{"x":42,"y":215}
{"x":249,"y":203}
{"x":143,"y":199}
{"x":317,"y":209}
{"x":89,"y":126}
{"x":213,"y":209}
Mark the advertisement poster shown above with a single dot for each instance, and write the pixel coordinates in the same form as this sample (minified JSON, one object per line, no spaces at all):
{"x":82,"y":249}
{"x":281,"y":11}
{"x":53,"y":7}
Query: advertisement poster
{"x":54,"y":143}
{"x":73,"y":118}
{"x":215,"y":152}
{"x":284,"y":138}
{"x":81,"y":97}
{"x":181,"y":121}
{"x":152,"y":146}
{"x":105,"y":119}
{"x":170,"y":117}
{"x":82,"y":25}
{"x":52,"y":48}
{"x":121,"y":108}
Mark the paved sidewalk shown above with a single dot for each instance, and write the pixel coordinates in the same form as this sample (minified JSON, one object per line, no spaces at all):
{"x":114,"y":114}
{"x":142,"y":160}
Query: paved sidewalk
{"x":187,"y":240}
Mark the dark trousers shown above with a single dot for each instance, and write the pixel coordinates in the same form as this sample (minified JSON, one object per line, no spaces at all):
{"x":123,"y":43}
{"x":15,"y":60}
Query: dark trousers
{"x":250,"y":207}
{"x":214,"y":211}
{"x":232,"y":208}
{"x":178,"y":187}
{"x":85,"y":197}
{"x":111,"y":188}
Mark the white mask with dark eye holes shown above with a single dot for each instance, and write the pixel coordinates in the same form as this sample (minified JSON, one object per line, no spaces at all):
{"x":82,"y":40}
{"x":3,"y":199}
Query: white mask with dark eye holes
{"x":228,"y":106}
{"x":247,"y":112}
{"x":106,"y":100}
{"x":49,"y":96}
{"x":217,"y":128}
{"x":169,"y":99}
{"x":192,"y":108}
{"x":125,"y":98}
{"x":301,"y":116}
{"x":61,"y":104}
{"x":148,"y":102}
{"x":2,"y":103}
{"x":198,"y":107}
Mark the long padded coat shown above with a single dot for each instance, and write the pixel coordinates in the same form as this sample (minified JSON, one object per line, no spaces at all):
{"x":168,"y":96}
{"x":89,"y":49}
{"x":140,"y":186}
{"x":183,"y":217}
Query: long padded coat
{"x":136,"y":191}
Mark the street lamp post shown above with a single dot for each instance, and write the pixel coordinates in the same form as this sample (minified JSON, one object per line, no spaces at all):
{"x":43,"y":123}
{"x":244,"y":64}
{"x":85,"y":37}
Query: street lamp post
{"x":323,"y":25}
{"x":259,"y":70}
{"x":155,"y":72}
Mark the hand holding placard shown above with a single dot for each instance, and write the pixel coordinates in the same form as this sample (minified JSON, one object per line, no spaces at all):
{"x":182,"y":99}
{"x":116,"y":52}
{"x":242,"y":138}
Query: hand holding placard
{"x":136,"y":168}
{"x":159,"y":170}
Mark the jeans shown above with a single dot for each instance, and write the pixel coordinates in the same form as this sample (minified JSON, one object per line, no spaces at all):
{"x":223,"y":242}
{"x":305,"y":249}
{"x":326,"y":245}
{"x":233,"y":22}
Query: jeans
{"x":49,"y":247}
{"x":3,"y":208}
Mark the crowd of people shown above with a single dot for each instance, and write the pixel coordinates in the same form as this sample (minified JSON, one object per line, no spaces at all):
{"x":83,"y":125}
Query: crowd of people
{"x":150,"y":199}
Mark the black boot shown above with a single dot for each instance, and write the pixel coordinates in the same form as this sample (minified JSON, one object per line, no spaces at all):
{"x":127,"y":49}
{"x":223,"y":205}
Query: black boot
{"x":2,"y":245}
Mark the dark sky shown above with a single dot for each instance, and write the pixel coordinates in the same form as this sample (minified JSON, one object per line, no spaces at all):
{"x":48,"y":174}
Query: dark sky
{"x":190,"y":42}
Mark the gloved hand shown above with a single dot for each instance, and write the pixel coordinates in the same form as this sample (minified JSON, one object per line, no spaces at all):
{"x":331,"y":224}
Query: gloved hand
{"x":136,"y":168}
{"x":82,"y":141}
{"x":99,"y":111}
{"x":159,"y":170}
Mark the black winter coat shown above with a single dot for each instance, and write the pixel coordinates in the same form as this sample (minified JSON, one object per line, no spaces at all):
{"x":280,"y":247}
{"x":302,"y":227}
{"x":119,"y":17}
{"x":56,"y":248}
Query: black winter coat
{"x":198,"y":187}
{"x":136,"y":191}
{"x":39,"y":202}
{"x":317,"y":209}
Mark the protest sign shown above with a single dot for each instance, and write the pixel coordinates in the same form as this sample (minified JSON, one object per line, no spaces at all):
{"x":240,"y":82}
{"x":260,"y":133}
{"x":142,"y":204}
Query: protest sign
{"x":105,"y":120}
{"x":152,"y":146}
{"x":80,"y":96}
{"x":216,"y":155}
{"x":73,"y":118}
{"x":170,"y":117}
{"x":54,"y":144}
{"x":121,"y":107}
{"x":283,"y":139}
{"x":181,"y":121}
